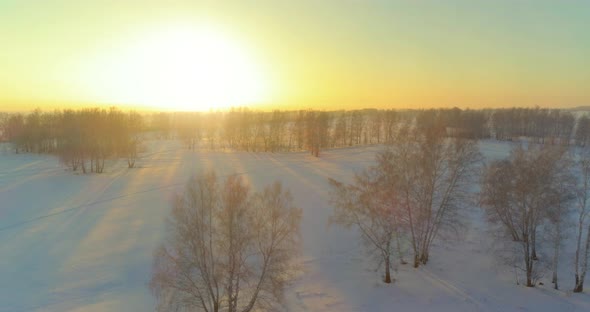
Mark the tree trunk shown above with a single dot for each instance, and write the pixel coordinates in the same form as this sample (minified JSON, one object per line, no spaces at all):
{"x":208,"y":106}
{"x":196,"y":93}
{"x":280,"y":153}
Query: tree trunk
{"x":577,"y":287}
{"x":534,"y":245}
{"x":424,"y":257}
{"x":132,"y":155}
{"x":424,"y":252}
{"x":529,"y":278}
{"x":528,"y":261}
{"x":387,"y":273}
{"x":399,"y":250}
{"x":580,"y":281}
{"x":416,"y":260}
{"x":555,"y":260}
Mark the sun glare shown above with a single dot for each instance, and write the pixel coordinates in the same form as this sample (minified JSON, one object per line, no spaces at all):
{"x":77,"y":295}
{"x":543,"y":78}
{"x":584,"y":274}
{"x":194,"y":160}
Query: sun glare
{"x":181,"y":68}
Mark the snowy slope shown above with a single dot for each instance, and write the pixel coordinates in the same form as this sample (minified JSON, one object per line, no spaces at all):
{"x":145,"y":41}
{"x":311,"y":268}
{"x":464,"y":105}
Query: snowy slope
{"x":84,"y":242}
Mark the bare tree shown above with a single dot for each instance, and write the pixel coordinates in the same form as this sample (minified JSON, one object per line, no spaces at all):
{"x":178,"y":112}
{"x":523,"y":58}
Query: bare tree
{"x":357,"y":125}
{"x":211,"y":125}
{"x":560,"y":195}
{"x":340,"y":130}
{"x":390,"y":122}
{"x":189,"y":128}
{"x":160,"y":122}
{"x":14,"y":131}
{"x":582,"y":135}
{"x":366,"y":206}
{"x":415,"y":192}
{"x":376,"y":125}
{"x":518,"y":192}
{"x":434,"y":174}
{"x":316,"y":131}
{"x":226,"y":249}
{"x":276,"y":130}
{"x":132,"y":139}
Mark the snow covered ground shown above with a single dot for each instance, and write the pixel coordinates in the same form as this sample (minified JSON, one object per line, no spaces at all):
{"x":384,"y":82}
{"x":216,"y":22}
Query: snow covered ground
{"x":71,"y":242}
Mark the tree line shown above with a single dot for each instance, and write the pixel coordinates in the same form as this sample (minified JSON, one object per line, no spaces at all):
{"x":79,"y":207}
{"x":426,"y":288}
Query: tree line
{"x":539,"y":124}
{"x":82,"y":139}
{"x":244,"y":129}
{"x":283,"y":131}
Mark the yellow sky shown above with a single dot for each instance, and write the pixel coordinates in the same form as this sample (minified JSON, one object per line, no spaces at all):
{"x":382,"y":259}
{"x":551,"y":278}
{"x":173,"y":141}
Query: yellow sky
{"x":327,"y":54}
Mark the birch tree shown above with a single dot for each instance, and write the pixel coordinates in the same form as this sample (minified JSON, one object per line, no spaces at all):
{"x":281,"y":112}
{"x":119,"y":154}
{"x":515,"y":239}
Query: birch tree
{"x":561,"y":194}
{"x":366,"y":206}
{"x":434,"y":173}
{"x":226,"y":249}
{"x":517,"y":194}
{"x":415,"y":192}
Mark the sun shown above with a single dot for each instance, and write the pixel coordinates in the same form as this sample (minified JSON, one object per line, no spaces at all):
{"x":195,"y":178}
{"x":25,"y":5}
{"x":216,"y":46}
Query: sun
{"x":182,"y":69}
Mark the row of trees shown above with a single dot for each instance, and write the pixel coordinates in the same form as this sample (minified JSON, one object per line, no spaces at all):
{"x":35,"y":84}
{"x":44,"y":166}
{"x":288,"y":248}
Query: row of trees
{"x":539,"y":124}
{"x":276,"y":131}
{"x":81,"y":138}
{"x":281,"y":131}
{"x":244,"y":129}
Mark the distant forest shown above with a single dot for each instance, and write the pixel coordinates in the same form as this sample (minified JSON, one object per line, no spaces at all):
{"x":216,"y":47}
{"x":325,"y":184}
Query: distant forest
{"x":84,"y":138}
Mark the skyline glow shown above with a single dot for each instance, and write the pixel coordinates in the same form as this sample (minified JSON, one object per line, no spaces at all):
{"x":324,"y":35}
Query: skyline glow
{"x":320,"y":54}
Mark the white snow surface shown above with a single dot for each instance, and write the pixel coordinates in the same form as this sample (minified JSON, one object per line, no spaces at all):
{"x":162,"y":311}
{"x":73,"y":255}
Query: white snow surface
{"x":72,"y":242}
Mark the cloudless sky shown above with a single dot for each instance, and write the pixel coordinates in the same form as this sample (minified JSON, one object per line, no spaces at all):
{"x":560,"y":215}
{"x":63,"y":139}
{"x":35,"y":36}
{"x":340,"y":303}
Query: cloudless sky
{"x":317,"y":53}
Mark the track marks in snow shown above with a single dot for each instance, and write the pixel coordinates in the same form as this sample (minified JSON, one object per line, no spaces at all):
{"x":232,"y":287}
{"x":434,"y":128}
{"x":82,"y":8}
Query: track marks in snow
{"x":319,"y":301}
{"x":316,"y":298}
{"x":451,"y":289}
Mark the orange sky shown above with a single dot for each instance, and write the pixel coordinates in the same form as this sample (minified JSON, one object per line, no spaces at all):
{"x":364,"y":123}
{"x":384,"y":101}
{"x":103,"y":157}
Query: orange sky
{"x":198,"y":55}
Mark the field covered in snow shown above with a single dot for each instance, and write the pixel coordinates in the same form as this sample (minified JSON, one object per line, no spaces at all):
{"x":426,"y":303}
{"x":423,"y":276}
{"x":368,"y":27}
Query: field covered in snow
{"x":71,"y":242}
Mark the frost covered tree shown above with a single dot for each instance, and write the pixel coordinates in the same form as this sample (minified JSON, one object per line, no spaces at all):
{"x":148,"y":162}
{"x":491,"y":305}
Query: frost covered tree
{"x":434,"y":174}
{"x":188,"y":127}
{"x":518,"y":193}
{"x":559,"y":203}
{"x":14,"y":129}
{"x":366,"y":206}
{"x":317,"y":125}
{"x":132,"y":139}
{"x":226,"y":249}
{"x":414,"y":193}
